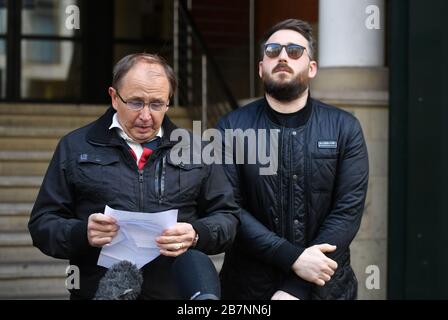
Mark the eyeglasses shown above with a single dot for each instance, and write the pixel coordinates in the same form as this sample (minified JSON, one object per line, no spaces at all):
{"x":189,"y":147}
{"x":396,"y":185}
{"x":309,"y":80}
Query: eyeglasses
{"x":294,"y":51}
{"x":137,"y":105}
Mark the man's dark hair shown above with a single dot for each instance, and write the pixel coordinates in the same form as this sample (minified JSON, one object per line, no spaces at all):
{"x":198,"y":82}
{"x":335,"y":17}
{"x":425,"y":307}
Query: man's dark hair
{"x":300,"y":26}
{"x":126,"y":63}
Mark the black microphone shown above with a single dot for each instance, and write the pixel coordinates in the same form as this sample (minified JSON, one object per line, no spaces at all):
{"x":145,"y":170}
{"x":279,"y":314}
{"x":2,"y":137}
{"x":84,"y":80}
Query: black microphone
{"x":196,"y":276}
{"x":123,"y":281}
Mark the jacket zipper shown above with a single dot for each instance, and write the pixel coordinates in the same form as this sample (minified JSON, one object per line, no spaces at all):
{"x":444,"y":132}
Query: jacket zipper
{"x":162,"y":180}
{"x":159,"y":182}
{"x":156,"y":181}
{"x":140,"y":180}
{"x":290,"y":219}
{"x":280,"y":161}
{"x":306,"y":186}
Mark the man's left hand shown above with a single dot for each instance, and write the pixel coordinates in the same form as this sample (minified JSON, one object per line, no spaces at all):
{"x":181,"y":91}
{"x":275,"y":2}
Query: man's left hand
{"x":176,"y":240}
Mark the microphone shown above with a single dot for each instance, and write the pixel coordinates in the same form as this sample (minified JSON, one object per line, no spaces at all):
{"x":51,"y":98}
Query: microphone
{"x":123,"y":281}
{"x":196,"y":276}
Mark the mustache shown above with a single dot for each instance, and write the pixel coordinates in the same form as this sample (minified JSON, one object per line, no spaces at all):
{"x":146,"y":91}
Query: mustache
{"x":283,"y":66}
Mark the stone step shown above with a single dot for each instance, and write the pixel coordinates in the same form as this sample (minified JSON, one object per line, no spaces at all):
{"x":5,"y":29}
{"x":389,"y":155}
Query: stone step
{"x":24,"y":163}
{"x":93,"y":111}
{"x":15,"y":216}
{"x":32,"y":270}
{"x":35,"y":288}
{"x":24,"y":120}
{"x":21,"y":138}
{"x":25,"y":156}
{"x":23,"y":253}
{"x":20,"y":181}
{"x":28,"y":143}
{"x":34,"y":132}
{"x":52,"y":109}
{"x":18,"y":247}
{"x":15,"y":239}
{"x":51,"y":131}
{"x":17,"y":195}
{"x":25,"y":168}
{"x":15,"y":209}
{"x":16,"y":189}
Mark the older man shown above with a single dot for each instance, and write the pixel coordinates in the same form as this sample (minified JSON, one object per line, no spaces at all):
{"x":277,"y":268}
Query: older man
{"x":123,"y":160}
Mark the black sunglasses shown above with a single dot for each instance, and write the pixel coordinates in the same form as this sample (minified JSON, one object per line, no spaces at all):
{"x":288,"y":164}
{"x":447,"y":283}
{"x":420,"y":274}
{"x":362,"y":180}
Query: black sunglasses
{"x":273,"y":50}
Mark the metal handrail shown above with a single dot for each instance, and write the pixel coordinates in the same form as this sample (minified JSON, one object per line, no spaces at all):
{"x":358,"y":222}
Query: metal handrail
{"x":210,"y":59}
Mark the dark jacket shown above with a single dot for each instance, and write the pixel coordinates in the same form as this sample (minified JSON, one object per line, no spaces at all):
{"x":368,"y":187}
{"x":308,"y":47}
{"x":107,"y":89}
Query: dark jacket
{"x":92,"y":166}
{"x":317,"y":196}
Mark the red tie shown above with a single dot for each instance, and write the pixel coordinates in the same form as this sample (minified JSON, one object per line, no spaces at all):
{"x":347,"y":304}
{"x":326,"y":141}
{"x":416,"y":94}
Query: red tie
{"x":148,"y":149}
{"x":144,"y":157}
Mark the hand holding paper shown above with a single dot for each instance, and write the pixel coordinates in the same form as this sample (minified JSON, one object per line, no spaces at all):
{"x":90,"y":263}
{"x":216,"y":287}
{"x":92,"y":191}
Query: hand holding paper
{"x":176,"y":240}
{"x":136,"y":238}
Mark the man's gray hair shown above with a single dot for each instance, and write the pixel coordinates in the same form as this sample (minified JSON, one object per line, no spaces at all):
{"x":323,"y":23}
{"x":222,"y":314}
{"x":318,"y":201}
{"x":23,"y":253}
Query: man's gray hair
{"x":126,"y":63}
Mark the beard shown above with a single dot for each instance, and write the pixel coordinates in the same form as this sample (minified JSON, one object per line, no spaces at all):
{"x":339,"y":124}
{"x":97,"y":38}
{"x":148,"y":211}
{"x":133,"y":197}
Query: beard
{"x":286,"y":91}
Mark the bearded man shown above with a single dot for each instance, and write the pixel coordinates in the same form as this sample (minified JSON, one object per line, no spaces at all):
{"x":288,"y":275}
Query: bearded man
{"x":297,"y":223}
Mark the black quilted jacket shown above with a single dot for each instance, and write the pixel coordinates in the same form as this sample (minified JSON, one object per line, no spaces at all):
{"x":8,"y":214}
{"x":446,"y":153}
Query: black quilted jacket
{"x":317,"y":196}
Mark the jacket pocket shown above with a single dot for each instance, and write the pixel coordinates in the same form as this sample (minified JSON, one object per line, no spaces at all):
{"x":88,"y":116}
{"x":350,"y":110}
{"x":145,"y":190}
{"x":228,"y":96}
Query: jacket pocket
{"x":187,"y":180}
{"x":98,"y":173}
{"x":323,"y":170}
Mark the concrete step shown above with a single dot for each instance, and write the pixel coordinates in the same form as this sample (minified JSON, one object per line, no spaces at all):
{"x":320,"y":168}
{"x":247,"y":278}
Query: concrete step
{"x":19,"y":280}
{"x":28,"y":143}
{"x":18,"y":194}
{"x":25,"y":253}
{"x":32,"y":270}
{"x":25,"y":168}
{"x":18,"y":247}
{"x":15,"y":216}
{"x":93,"y":111}
{"x":24,"y":163}
{"x":20,"y":181}
{"x":35,"y":288}
{"x":24,"y":156}
{"x":17,"y":189}
{"x":52,"y":109}
{"x":58,"y":132}
{"x":15,"y":239}
{"x":26,"y":120}
{"x":34,"y":132}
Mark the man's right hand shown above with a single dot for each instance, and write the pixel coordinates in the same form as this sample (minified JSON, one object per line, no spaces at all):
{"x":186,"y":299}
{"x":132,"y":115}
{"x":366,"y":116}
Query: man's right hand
{"x":101,"y":229}
{"x":314,"y":266}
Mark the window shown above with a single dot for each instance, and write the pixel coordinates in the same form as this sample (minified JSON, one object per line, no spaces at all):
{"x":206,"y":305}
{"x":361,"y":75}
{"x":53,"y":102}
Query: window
{"x":50,"y":52}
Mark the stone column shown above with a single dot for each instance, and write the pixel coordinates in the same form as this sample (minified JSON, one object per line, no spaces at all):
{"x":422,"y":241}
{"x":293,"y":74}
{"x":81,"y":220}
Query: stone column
{"x":351,"y":33}
{"x":352,"y":75}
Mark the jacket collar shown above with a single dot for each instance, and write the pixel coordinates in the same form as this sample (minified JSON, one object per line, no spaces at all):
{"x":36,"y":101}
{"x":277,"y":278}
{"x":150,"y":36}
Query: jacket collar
{"x":305,"y":112}
{"x":100,"y":133}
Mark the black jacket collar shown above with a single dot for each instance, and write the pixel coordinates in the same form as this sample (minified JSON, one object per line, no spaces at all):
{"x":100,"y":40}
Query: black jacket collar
{"x":291,"y":120}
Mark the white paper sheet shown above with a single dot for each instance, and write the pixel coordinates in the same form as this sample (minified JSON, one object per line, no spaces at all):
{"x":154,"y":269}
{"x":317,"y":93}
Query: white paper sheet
{"x":135,"y":241}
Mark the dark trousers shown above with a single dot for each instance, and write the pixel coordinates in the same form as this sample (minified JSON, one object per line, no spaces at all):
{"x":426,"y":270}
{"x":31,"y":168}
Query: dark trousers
{"x":192,"y":275}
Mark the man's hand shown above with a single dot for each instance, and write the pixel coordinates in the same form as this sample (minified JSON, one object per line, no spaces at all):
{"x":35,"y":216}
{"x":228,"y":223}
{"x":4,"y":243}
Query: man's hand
{"x":314,"y":266}
{"x":176,"y":240}
{"x":101,"y":229}
{"x":282,"y":295}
